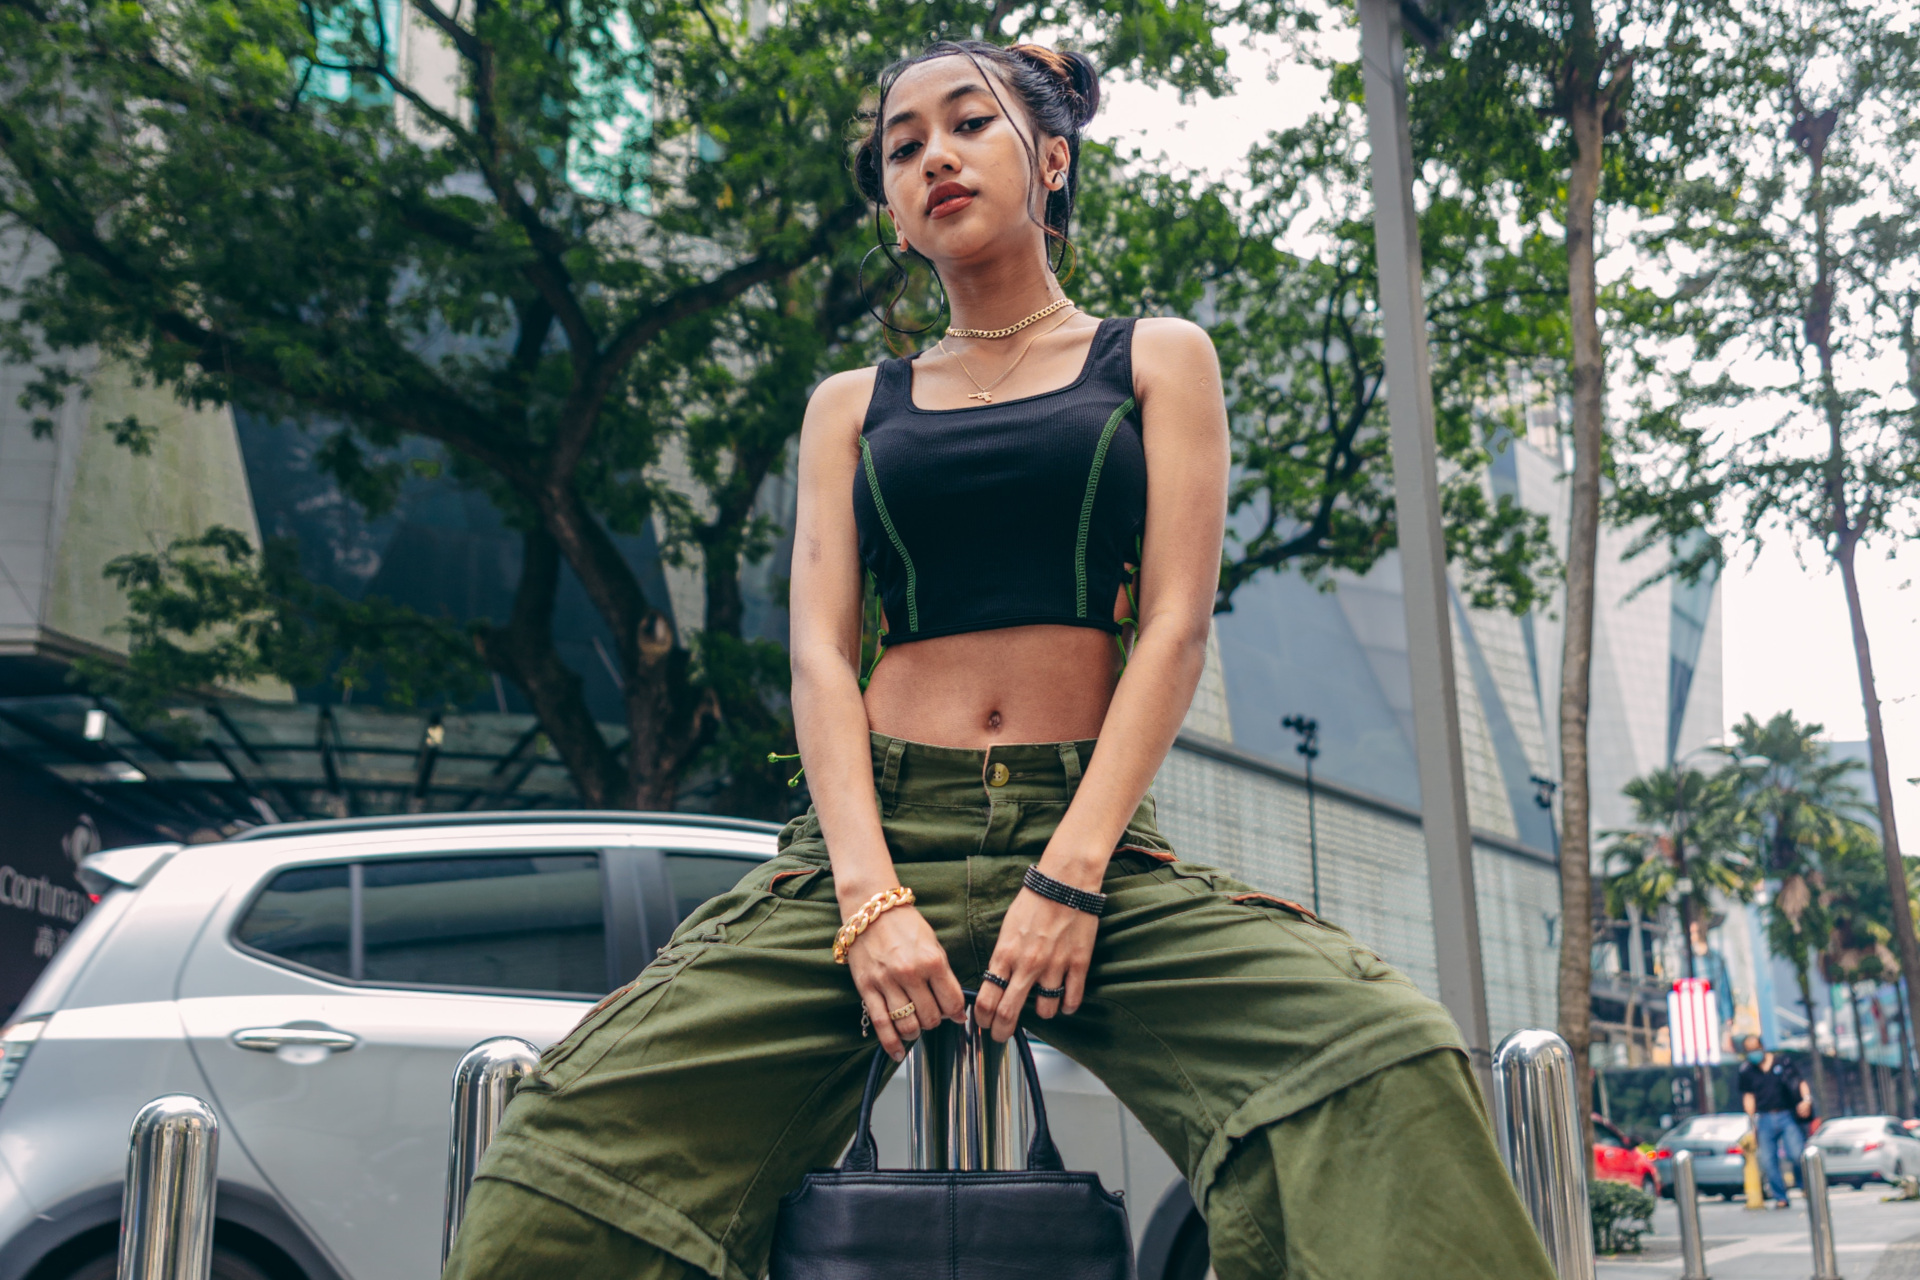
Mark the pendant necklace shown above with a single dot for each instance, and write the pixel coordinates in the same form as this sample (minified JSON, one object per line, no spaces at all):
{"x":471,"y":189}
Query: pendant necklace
{"x":984,"y":394}
{"x":1012,"y":329}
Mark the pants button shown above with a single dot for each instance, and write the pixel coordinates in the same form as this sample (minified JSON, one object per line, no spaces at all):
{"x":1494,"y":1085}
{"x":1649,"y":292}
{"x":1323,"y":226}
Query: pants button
{"x":997,"y":776}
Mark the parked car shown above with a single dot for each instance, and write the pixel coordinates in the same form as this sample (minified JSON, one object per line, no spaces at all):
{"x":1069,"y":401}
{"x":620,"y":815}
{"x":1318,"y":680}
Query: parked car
{"x":1617,"y":1159}
{"x":1719,"y":1165}
{"x":317,"y":982}
{"x":1862,"y":1149}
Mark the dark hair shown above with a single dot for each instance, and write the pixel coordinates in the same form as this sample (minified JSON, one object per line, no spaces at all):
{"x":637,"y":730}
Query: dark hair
{"x":1060,"y":90}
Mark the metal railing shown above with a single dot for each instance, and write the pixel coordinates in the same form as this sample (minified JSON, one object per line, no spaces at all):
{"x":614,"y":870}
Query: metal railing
{"x":1686,"y":1203}
{"x":166,"y":1209}
{"x":968,"y":1100}
{"x":1813,"y":1185}
{"x":482,"y":1085}
{"x":1536,"y":1103}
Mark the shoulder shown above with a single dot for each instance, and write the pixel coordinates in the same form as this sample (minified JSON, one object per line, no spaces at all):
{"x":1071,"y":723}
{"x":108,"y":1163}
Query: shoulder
{"x":837,"y":409}
{"x":1167,"y":343}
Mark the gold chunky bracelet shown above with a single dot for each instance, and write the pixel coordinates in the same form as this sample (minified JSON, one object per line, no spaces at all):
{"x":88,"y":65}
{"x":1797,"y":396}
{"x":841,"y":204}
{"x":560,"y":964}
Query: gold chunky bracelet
{"x":885,"y":900}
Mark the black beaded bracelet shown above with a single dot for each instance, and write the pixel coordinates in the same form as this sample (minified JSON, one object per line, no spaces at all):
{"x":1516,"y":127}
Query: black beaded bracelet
{"x":1064,"y":894}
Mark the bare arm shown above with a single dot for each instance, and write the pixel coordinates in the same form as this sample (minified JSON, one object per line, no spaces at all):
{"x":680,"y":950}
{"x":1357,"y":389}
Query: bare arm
{"x":1184,"y":420}
{"x":898,"y":959}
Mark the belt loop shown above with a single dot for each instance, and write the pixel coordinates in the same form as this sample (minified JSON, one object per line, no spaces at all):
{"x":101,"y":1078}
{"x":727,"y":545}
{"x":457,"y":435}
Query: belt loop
{"x":890,"y":773}
{"x":1070,"y":761}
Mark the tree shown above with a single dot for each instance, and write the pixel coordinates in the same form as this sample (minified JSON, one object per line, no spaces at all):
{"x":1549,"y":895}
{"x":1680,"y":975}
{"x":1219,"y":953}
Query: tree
{"x":626,"y":229}
{"x":1684,"y":846}
{"x":1797,"y":815}
{"x":620,"y":224}
{"x":1859,"y":948}
{"x":1573,"y":106}
{"x":1800,"y":267}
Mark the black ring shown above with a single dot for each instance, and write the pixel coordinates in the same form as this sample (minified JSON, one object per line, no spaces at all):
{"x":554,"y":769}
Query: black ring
{"x":1050,"y":993}
{"x":995,"y":979}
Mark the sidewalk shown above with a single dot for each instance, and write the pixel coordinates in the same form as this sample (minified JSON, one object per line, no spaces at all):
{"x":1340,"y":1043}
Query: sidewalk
{"x":1874,"y":1241}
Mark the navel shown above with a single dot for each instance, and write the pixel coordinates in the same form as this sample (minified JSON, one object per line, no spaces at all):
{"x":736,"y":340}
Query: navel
{"x":993,"y":719}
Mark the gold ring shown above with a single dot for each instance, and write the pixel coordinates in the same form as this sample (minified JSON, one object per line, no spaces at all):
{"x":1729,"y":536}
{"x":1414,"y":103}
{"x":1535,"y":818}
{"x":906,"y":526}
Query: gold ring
{"x":904,"y":1011}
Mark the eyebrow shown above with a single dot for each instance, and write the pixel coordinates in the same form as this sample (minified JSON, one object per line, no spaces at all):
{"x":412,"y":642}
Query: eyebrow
{"x":953,"y":95}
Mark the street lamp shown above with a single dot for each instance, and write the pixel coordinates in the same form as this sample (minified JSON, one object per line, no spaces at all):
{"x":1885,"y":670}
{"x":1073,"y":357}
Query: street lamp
{"x":1309,"y":730}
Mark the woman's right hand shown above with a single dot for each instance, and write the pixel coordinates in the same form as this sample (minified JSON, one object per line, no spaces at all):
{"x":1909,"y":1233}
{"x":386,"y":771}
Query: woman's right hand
{"x":897,"y":960}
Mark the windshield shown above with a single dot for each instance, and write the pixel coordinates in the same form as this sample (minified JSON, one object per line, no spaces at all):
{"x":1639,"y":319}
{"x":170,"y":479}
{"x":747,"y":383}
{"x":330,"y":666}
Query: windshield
{"x":1708,"y":1129}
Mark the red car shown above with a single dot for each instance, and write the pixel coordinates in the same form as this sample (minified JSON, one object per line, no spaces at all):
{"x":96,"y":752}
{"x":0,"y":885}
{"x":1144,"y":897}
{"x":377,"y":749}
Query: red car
{"x":1617,"y":1160}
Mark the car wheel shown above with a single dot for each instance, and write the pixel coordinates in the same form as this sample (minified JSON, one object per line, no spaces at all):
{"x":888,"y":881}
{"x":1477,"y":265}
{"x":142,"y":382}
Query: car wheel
{"x":1648,"y":1185}
{"x":227,"y":1265}
{"x":1189,"y":1259}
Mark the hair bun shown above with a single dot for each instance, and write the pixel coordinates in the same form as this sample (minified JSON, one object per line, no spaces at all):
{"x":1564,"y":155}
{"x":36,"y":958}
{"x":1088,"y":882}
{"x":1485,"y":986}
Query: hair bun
{"x":1073,"y":69}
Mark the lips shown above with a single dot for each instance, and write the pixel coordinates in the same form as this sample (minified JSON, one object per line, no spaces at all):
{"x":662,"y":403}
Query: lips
{"x":947,"y":199}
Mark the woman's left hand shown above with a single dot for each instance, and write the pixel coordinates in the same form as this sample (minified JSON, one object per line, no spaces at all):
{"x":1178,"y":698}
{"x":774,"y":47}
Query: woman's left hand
{"x":1042,"y":944}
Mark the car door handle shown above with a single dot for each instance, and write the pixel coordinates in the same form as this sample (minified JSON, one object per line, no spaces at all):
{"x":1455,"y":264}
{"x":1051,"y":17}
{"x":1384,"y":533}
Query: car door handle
{"x":274,"y":1039}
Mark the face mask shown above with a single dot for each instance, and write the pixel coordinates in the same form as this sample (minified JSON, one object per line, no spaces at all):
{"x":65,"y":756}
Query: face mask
{"x":1756,"y":1056}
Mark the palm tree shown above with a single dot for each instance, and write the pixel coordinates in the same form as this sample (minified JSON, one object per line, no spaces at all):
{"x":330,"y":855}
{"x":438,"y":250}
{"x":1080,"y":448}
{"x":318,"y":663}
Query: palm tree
{"x":1684,"y":845}
{"x":1860,"y":946}
{"x":1797,"y":812}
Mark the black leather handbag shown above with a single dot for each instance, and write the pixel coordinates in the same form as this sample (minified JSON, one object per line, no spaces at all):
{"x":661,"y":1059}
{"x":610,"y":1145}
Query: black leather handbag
{"x":861,"y":1222}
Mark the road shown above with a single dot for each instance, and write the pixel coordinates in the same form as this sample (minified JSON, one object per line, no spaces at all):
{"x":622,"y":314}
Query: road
{"x":1874,"y":1241}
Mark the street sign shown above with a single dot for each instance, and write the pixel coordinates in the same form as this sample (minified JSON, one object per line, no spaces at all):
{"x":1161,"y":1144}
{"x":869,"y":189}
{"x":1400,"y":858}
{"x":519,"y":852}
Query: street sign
{"x":1693,"y":1023}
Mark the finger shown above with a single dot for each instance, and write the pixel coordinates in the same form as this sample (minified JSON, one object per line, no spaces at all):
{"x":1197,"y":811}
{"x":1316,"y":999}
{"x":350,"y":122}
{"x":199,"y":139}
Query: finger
{"x":949,"y":995}
{"x":1076,"y":989}
{"x":883,"y":1030}
{"x":907,"y":1028}
{"x":1047,"y":1006}
{"x":986,"y":1005}
{"x":1007,"y":1017}
{"x":926,"y":1010}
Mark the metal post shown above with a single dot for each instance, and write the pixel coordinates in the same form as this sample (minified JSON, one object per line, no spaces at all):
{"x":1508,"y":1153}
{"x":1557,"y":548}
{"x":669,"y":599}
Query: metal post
{"x":1536,"y":1103}
{"x":1416,"y":496}
{"x":1686,"y":1201}
{"x":482,"y":1084}
{"x":166,"y":1210}
{"x":1813,"y":1185}
{"x":968,"y":1100}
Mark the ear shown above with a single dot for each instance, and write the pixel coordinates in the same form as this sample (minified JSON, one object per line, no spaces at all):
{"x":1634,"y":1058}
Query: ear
{"x":1055,"y":160}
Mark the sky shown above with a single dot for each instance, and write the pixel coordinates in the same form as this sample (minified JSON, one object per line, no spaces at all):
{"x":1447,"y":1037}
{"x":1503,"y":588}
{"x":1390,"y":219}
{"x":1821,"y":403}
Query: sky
{"x":1786,"y":640}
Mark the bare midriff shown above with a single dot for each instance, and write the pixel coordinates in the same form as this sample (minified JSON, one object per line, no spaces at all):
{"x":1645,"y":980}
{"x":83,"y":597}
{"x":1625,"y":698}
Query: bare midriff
{"x":1012,"y":684}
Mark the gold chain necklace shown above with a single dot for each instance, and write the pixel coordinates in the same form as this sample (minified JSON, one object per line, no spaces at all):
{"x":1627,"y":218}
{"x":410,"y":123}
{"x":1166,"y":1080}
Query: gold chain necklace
{"x":985,"y":394}
{"x":1012,"y":329}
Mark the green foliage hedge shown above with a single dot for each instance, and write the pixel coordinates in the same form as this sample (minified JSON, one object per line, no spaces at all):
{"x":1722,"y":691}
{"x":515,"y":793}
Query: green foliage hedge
{"x":1622,"y":1213}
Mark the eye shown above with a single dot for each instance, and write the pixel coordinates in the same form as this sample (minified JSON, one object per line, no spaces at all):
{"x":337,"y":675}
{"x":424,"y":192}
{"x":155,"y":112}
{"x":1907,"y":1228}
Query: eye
{"x":974,"y":124}
{"x":902,"y":151}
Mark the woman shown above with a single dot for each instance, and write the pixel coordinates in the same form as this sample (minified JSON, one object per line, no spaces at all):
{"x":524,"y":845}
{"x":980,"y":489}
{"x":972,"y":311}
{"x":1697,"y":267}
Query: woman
{"x":1003,"y":487}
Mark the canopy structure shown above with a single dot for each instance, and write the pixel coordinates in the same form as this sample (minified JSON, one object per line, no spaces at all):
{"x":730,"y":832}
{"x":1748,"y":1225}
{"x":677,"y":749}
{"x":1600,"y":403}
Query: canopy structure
{"x":217,"y":764}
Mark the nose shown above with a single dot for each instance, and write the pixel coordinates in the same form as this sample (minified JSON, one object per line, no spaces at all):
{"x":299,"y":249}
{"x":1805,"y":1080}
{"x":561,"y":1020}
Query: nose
{"x":938,"y":156}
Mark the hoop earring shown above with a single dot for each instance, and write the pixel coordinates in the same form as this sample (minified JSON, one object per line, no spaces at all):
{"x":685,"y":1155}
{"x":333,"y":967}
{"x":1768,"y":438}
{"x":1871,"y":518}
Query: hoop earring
{"x":1069,"y":258}
{"x":899,"y":290}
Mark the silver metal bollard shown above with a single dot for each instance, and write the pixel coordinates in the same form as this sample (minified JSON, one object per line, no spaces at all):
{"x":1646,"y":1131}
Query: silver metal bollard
{"x":1686,"y":1201}
{"x":166,"y":1211}
{"x":1536,"y":1103}
{"x":1813,"y":1185}
{"x":968,"y":1099}
{"x":482,"y":1084}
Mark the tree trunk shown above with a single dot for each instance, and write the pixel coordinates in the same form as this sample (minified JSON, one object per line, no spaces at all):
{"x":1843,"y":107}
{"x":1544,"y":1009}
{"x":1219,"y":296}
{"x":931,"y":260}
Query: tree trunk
{"x":1819,"y":1073}
{"x":1843,"y":538}
{"x":1868,"y":1092}
{"x":1902,"y":1030}
{"x":1583,"y":542}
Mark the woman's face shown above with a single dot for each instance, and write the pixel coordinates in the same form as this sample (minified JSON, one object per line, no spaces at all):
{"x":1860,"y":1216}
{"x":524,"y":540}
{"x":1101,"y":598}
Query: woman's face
{"x":958,"y":177}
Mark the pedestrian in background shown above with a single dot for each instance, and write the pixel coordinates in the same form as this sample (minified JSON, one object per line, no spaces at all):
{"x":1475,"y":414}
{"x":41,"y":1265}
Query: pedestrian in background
{"x":1776,"y":1100}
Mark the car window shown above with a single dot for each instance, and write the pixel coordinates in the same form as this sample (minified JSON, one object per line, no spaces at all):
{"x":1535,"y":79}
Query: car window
{"x":503,"y":922}
{"x":1708,"y":1129}
{"x":529,"y":924}
{"x":697,"y":877}
{"x":304,"y":917}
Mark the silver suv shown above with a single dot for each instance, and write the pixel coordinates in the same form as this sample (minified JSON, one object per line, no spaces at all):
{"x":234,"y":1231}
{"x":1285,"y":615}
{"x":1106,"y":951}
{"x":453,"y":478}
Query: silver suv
{"x":317,"y":982}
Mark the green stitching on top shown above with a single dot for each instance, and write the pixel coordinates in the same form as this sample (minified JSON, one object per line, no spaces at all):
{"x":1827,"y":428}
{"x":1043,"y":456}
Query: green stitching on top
{"x":1086,"y":508}
{"x":899,"y":547}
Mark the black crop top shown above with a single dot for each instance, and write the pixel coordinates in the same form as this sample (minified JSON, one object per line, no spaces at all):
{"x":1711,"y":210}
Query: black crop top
{"x":1009,"y":514}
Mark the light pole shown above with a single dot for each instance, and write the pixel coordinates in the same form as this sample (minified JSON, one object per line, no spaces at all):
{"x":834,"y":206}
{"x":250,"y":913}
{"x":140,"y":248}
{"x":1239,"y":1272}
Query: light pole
{"x":1309,"y":730}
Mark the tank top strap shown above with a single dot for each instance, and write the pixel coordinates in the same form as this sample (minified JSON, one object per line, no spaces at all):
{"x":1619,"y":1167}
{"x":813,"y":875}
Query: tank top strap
{"x":892,"y":392}
{"x":1111,"y":360}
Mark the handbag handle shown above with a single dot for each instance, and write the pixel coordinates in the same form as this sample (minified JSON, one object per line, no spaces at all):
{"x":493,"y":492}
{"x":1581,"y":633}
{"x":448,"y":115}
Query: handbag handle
{"x":864,"y":1155}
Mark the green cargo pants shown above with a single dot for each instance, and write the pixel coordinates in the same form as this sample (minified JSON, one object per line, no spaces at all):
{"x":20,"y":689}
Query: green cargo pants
{"x":1317,"y":1102}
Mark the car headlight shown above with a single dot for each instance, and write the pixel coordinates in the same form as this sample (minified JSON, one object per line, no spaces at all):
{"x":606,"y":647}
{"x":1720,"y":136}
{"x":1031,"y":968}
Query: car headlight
{"x":16,"y":1041}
